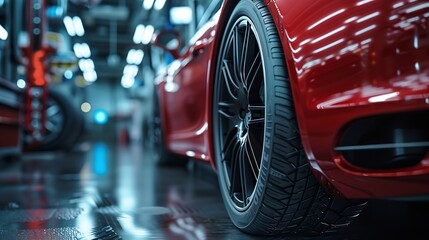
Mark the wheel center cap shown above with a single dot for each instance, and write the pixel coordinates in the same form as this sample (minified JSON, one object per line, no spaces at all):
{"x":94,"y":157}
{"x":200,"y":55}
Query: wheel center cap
{"x":242,"y":131}
{"x":246,"y":120}
{"x":245,"y":117}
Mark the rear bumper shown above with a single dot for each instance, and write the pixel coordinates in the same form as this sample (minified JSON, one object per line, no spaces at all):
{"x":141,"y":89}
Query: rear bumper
{"x":354,"y":181}
{"x":366,"y":59}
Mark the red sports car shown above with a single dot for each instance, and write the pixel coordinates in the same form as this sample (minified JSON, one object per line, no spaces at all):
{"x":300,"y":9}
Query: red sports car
{"x":303,"y":107}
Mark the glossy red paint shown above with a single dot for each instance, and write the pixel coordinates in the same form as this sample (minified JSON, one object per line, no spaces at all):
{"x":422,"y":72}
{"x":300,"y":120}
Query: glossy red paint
{"x":183,"y":97}
{"x":9,"y":118}
{"x":350,"y":59}
{"x":346,"y":60}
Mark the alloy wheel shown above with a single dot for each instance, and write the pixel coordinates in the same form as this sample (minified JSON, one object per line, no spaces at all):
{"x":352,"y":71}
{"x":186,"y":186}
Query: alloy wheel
{"x":239,"y":108}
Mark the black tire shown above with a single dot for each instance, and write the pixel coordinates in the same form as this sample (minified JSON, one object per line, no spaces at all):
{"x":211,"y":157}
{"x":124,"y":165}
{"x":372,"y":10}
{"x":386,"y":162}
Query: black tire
{"x":64,"y":124}
{"x":163,"y":157}
{"x":265,"y":179}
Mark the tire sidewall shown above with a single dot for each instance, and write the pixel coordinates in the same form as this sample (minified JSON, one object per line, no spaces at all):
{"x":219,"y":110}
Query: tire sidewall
{"x":243,"y":219}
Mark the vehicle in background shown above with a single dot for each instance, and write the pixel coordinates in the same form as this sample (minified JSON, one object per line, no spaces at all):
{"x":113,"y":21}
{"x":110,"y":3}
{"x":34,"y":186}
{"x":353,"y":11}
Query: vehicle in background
{"x":51,"y":121}
{"x":302,"y":108}
{"x":37,"y":115}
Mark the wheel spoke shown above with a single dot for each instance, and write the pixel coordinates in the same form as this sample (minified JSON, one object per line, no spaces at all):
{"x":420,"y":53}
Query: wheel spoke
{"x":227,"y":105}
{"x":236,"y":52}
{"x":225,"y":109}
{"x":254,"y":70}
{"x":229,"y":80}
{"x":257,"y":108}
{"x":252,"y":158}
{"x":244,"y":53}
{"x":225,"y":114}
{"x":51,"y":127}
{"x":52,"y":111}
{"x":256,"y":121}
{"x":243,"y":175}
{"x":234,"y":177}
{"x":258,"y":114}
{"x":230,"y":141}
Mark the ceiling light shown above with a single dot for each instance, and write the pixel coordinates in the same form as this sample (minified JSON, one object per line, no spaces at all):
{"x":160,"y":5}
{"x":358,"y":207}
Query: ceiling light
{"x":85,"y":107}
{"x":77,"y":48}
{"x":131,"y":71}
{"x":82,"y":50}
{"x":78,"y":26}
{"x":130,"y":56}
{"x":138,"y":57}
{"x":148,"y":34}
{"x":54,"y":12}
{"x":86,"y":50}
{"x":127,"y":81}
{"x":181,"y":15}
{"x":86,"y":65}
{"x":68,"y":23}
{"x":138,"y":34}
{"x":90,"y":76}
{"x":147,"y":4}
{"x":90,"y":63}
{"x":159,"y":4}
{"x":135,"y":56}
{"x":82,"y":65}
{"x":3,"y":33}
{"x":21,"y":83}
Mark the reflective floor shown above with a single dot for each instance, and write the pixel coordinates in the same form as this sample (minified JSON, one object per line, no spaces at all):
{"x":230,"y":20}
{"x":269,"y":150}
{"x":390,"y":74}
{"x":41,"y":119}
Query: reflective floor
{"x":101,"y":191}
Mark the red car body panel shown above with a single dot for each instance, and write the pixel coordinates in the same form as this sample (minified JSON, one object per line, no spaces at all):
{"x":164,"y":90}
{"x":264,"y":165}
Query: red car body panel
{"x":183,"y":90}
{"x":10,"y":141}
{"x":346,"y":60}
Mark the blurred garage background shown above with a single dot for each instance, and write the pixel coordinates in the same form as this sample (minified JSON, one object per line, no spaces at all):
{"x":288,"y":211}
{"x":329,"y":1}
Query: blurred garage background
{"x":114,"y":62}
{"x":92,"y":176}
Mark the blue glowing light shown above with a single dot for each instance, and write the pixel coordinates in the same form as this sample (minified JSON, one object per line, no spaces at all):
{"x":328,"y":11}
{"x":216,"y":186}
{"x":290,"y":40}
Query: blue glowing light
{"x":100,"y":158}
{"x":101,"y":117}
{"x":54,"y":12}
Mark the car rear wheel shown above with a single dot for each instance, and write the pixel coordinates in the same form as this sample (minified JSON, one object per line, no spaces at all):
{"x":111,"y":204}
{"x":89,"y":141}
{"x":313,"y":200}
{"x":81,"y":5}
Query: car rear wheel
{"x":265,"y":178}
{"x":64,"y":124}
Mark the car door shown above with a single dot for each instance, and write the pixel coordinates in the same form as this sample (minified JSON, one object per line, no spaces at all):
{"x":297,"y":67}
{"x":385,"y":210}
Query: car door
{"x":185,"y":87}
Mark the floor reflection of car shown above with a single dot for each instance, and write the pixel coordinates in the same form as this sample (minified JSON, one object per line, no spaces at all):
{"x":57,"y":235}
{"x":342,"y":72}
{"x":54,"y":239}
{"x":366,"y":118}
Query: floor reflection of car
{"x":9,"y":119}
{"x":303,"y":108}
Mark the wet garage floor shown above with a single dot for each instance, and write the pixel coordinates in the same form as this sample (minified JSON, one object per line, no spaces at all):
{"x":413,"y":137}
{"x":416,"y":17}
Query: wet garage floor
{"x":114,"y":192}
